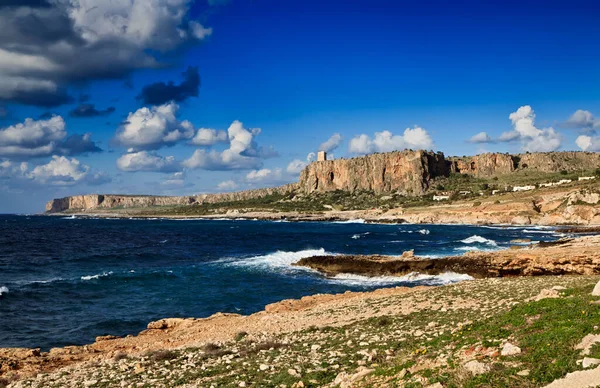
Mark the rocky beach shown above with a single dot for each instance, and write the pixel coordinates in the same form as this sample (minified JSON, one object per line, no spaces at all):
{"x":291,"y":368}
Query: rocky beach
{"x":492,"y":330}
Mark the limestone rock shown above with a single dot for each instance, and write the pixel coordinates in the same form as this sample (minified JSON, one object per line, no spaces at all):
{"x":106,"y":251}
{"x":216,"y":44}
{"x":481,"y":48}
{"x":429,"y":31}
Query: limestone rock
{"x":345,"y":380}
{"x":510,"y":350}
{"x":596,"y":291}
{"x":589,"y":362}
{"x":476,"y":368}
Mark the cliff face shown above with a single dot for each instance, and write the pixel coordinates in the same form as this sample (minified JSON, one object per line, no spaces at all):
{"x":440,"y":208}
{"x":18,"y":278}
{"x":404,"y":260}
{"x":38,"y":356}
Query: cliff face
{"x":405,"y":172}
{"x":111,"y":201}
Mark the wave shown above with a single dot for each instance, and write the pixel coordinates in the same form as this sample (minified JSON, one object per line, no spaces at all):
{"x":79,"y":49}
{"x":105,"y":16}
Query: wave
{"x":3,"y":290}
{"x":360,"y":235}
{"x":278,"y":260}
{"x":474,"y":249}
{"x":46,"y":281}
{"x":97,"y":276}
{"x":69,"y":218}
{"x":412,"y":278}
{"x":476,"y":239}
{"x":353,"y":221}
{"x":540,"y":231}
{"x":423,"y":231}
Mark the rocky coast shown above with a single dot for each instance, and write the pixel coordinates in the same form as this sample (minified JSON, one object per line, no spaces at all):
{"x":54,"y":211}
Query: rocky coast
{"x":496,"y":330}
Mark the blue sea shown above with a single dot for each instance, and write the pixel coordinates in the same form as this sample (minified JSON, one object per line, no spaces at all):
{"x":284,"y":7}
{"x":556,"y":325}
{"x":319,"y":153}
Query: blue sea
{"x":64,"y":281}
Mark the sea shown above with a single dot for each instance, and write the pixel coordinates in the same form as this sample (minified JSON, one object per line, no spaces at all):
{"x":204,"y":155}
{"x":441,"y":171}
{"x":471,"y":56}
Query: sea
{"x":66,"y":280}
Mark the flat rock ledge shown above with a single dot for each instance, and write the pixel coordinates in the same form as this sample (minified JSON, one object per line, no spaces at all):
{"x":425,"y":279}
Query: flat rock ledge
{"x":564,"y":257}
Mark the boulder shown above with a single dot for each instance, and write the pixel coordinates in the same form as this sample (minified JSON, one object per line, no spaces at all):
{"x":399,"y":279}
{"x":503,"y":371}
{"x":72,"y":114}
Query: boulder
{"x":510,"y":350}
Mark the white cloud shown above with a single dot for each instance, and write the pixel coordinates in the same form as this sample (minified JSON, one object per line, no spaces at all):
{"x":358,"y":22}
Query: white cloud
{"x":524,"y":130}
{"x":386,"y":141}
{"x":36,"y":138}
{"x":175,"y":180}
{"x":9,"y":169}
{"x":296,"y":166}
{"x":264,"y":174}
{"x":311,"y":157}
{"x":152,"y":128}
{"x":147,"y":161}
{"x":208,"y":137}
{"x":227,"y":185}
{"x":199,"y":31}
{"x":44,"y":49}
{"x":532,"y":138}
{"x":32,"y":138}
{"x":588,"y":143}
{"x":583,"y":119}
{"x":481,"y":137}
{"x":243,"y":152}
{"x":332,"y":143}
{"x":60,"y":171}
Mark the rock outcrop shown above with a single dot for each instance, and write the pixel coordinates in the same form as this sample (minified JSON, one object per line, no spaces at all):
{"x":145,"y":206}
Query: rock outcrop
{"x":404,"y":172}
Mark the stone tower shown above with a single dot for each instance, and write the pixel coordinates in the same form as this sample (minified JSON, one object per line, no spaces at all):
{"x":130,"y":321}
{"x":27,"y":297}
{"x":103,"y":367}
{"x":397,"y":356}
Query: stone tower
{"x":321,"y":156}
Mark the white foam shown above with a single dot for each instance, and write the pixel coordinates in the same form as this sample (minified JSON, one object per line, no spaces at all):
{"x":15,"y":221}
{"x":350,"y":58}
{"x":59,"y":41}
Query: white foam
{"x":423,"y":231}
{"x":52,"y":280}
{"x":475,"y":239}
{"x":360,"y":235}
{"x":279,"y":260}
{"x":540,"y":231}
{"x":97,"y":276}
{"x":3,"y":290}
{"x":353,"y":221}
{"x":69,"y":218}
{"x":359,"y":280}
{"x":474,"y":249}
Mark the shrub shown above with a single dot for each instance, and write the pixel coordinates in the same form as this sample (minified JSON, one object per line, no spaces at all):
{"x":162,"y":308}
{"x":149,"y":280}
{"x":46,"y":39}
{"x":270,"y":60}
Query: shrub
{"x":476,"y":203}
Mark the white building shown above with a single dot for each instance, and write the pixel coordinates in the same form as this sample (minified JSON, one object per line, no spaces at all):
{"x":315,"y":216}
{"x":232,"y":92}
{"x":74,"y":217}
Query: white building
{"x":586,"y":178}
{"x":441,"y":197}
{"x":465,"y":192}
{"x":494,"y":192}
{"x":523,"y":188}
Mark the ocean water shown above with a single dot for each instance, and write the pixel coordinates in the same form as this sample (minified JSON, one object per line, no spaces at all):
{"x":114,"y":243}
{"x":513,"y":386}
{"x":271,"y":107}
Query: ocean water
{"x":64,"y":281}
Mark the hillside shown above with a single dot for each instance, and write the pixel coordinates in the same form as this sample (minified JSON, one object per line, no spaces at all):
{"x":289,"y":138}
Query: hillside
{"x":410,"y":175}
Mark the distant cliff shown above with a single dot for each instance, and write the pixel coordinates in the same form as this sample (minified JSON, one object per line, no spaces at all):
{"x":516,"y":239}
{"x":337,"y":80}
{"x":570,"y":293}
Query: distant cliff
{"x":113,"y":201}
{"x":406,"y":172}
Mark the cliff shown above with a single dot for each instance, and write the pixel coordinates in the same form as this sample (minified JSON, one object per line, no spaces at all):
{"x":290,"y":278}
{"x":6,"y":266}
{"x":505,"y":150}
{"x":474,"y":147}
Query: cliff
{"x":405,"y":172}
{"x":111,"y":201}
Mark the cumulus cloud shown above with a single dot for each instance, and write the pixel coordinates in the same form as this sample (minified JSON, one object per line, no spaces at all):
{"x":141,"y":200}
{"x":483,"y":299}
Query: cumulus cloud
{"x":532,"y":138}
{"x":89,"y":110}
{"x":583,"y":120}
{"x":481,"y":137}
{"x":243,"y":152}
{"x":386,"y":141}
{"x":588,"y":143}
{"x":264,"y":175}
{"x":209,"y":137}
{"x":147,"y":161}
{"x":524,"y":131}
{"x":296,"y":166}
{"x":229,"y":185}
{"x":45,"y":49}
{"x":153,"y":128}
{"x":332,"y":143}
{"x":159,"y":92}
{"x":62,"y":171}
{"x":36,"y":138}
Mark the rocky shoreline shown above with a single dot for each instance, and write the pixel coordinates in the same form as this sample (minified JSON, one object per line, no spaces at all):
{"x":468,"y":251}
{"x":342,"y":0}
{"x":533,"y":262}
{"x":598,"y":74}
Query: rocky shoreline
{"x":563,"y":257}
{"x":223,"y":343}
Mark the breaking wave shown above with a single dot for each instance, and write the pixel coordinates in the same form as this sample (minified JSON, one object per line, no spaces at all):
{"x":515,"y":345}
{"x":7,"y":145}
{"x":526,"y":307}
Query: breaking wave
{"x":3,"y":290}
{"x":280,"y":260}
{"x":412,"y":278}
{"x":354,"y":221}
{"x":97,"y":276}
{"x":475,"y":239}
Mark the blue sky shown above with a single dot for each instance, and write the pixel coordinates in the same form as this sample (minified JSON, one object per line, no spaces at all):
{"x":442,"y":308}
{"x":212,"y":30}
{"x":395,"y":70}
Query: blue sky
{"x":382,"y":75}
